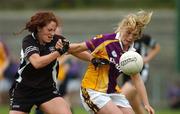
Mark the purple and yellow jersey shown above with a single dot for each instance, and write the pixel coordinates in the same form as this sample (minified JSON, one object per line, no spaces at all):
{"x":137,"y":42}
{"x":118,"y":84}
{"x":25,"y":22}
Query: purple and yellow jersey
{"x":104,"y":78}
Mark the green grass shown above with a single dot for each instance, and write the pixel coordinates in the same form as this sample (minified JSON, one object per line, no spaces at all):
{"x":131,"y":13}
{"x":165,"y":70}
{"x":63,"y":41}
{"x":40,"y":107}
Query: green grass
{"x":168,"y":111}
{"x":80,"y":110}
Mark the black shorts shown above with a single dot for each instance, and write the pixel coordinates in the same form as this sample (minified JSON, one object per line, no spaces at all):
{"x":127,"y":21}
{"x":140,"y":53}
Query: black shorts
{"x":22,"y":97}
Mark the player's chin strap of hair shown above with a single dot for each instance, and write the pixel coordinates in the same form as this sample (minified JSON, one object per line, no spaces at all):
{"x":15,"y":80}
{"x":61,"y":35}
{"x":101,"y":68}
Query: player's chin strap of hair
{"x":99,"y":62}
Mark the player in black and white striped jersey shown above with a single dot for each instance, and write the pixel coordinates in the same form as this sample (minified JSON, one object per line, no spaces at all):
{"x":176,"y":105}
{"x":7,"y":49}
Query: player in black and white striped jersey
{"x":36,"y":76}
{"x":148,"y":48}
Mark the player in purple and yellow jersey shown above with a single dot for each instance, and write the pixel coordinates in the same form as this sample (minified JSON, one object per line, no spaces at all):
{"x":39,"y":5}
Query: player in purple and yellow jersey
{"x":100,"y":93}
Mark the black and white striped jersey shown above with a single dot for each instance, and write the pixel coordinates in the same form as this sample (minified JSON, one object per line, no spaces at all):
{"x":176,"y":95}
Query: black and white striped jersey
{"x":142,"y":45}
{"x":27,"y":74}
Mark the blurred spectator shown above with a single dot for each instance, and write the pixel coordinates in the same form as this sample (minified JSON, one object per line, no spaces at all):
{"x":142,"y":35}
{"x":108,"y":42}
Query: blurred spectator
{"x":62,"y":75}
{"x":70,"y":78}
{"x":8,"y":68}
{"x":10,"y":71}
{"x":4,"y":62}
{"x":174,"y":95}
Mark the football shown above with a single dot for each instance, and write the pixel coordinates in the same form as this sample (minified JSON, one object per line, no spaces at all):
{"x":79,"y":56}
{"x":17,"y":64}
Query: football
{"x":131,"y":63}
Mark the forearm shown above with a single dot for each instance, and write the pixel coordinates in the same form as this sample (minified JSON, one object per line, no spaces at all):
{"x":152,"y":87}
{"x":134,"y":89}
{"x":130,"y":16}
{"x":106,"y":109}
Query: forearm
{"x":140,"y":87}
{"x":86,"y":56}
{"x":77,"y":47}
{"x":42,"y":61}
{"x":152,"y":53}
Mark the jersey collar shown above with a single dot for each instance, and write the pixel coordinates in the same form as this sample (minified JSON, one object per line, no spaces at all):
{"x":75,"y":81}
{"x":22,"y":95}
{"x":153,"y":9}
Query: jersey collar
{"x":33,"y":35}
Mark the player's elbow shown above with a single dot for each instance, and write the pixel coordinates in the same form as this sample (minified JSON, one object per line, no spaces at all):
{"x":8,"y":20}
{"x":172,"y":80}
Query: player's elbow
{"x":36,"y":64}
{"x":157,"y":48}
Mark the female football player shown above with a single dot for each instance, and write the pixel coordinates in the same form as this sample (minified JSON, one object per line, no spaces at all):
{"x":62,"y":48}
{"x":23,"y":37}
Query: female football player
{"x":100,"y":93}
{"x":35,"y":78}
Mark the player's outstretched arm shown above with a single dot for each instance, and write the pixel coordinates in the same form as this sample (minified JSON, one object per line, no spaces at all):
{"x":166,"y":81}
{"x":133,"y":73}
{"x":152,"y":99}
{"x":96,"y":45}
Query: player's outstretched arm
{"x":85,"y":55}
{"x":79,"y":50}
{"x":139,"y":84}
{"x":152,"y":53}
{"x":77,"y":47}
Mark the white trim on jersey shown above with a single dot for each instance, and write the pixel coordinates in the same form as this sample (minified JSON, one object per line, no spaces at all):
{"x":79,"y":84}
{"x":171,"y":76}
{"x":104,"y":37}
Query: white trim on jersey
{"x":54,"y":73}
{"x":33,"y":35}
{"x":20,"y":72}
{"x":19,"y":79}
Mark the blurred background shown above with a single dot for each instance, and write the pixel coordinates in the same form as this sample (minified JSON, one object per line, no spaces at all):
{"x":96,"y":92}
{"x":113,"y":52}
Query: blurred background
{"x":83,"y":19}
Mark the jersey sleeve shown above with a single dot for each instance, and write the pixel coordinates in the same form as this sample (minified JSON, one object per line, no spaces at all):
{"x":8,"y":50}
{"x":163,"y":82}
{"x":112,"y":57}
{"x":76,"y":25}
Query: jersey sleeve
{"x":29,"y":47}
{"x":94,"y":42}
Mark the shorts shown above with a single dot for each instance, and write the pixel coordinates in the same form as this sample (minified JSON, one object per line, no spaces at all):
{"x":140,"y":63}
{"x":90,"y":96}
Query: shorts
{"x":93,"y":100}
{"x":23,"y":98}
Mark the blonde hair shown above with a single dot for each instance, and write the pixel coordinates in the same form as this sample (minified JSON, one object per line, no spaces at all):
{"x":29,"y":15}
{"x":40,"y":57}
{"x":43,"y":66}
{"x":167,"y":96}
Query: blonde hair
{"x":135,"y":21}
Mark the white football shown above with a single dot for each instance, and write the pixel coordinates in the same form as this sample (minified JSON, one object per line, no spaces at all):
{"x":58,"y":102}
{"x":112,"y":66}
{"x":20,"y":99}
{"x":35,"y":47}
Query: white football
{"x":131,"y":63}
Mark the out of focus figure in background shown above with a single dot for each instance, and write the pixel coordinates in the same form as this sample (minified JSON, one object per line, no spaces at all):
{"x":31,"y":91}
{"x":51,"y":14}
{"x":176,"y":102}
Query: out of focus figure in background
{"x":11,"y":69}
{"x":174,"y":95}
{"x":62,"y":74}
{"x":69,"y":78}
{"x":8,"y":67}
{"x":4,"y":62}
{"x":70,"y":73}
{"x":148,"y":48}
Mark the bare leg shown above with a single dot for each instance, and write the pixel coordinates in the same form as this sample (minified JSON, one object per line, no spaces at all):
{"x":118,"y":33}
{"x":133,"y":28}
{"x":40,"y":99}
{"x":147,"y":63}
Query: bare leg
{"x":136,"y":105}
{"x":110,"y":108}
{"x":56,"y":106}
{"x":126,"y":110}
{"x":16,"y":112}
{"x":130,"y":92}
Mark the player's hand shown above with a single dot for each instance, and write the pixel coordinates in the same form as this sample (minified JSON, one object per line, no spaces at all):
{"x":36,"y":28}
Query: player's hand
{"x":99,"y":62}
{"x":65,"y":43}
{"x":149,"y":109}
{"x":62,"y":45}
{"x":59,"y":44}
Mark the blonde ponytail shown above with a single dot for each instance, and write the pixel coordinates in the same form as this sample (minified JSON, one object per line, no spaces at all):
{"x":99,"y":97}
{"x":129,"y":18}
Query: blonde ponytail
{"x":135,"y":21}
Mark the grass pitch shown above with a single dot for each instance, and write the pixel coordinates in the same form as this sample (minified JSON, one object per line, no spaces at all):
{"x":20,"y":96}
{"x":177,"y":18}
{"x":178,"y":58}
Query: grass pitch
{"x":79,"y":110}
